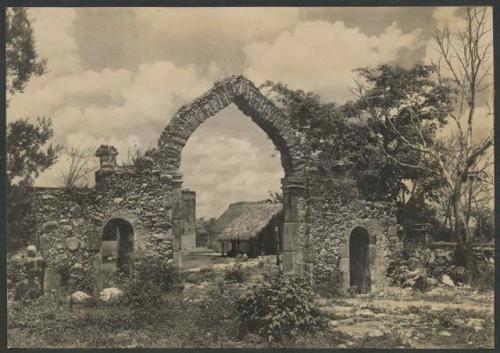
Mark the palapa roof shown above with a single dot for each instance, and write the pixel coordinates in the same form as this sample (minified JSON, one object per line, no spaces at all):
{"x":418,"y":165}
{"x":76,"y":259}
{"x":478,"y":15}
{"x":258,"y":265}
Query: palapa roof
{"x":245,"y":220}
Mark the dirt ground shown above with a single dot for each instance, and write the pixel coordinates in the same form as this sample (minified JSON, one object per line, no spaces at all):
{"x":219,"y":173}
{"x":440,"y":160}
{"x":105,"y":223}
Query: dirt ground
{"x":440,"y":318}
{"x":443,"y":317}
{"x":200,"y":258}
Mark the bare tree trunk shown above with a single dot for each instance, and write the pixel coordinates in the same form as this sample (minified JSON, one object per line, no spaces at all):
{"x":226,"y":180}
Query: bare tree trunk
{"x":463,"y":235}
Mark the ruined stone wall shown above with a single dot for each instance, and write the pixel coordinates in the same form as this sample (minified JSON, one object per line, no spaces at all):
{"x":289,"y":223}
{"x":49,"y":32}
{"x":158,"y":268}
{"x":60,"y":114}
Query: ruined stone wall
{"x":65,"y":232}
{"x":433,"y":261}
{"x":69,"y":226}
{"x":139,"y":196}
{"x":334,"y":211}
{"x":320,"y":210}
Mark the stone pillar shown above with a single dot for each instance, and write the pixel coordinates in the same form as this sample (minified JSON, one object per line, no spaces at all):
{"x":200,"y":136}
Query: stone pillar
{"x":294,"y":237}
{"x":188,"y":219}
{"x":107,"y":164}
{"x":344,"y":264}
{"x":107,"y":156}
{"x":176,"y":200}
{"x":51,"y":281}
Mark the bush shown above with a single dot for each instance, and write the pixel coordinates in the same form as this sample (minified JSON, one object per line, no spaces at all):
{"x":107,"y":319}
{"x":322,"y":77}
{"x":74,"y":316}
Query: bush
{"x":485,"y":278}
{"x":234,"y":274}
{"x":281,"y":306}
{"x":151,"y":277}
{"x":217,"y":311}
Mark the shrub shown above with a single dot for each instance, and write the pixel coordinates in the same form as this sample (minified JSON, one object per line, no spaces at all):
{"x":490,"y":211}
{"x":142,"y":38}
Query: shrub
{"x":234,"y":274}
{"x":151,"y":277}
{"x":281,"y":306}
{"x":485,"y":278}
{"x":217,"y":311}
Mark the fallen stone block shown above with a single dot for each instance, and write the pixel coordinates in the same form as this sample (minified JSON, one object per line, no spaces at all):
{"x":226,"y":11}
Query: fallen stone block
{"x":109,"y":295}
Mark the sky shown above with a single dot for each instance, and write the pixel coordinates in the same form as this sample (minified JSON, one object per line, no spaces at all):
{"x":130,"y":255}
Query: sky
{"x":117,"y":75}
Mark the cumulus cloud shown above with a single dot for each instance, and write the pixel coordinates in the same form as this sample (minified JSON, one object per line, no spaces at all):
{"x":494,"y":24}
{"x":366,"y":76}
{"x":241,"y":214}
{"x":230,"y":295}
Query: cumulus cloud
{"x":454,"y":19}
{"x":84,"y":142}
{"x":319,"y":56}
{"x":229,"y":165}
{"x":52,"y":28}
{"x":228,"y":159}
{"x":233,"y":22}
{"x":448,"y":16}
{"x":108,"y":106}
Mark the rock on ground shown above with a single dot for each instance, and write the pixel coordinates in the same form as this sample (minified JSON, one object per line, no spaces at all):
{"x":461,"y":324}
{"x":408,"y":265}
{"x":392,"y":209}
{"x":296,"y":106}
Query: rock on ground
{"x":110,"y":294}
{"x":448,"y":281}
{"x":79,"y":297}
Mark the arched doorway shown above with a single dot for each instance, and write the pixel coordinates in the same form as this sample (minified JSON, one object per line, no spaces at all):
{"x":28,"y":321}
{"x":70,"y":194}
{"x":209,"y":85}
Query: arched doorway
{"x":117,"y":246}
{"x":358,"y":259}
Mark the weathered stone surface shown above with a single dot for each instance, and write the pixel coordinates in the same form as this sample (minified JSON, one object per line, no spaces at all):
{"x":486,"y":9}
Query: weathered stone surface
{"x":109,"y":295}
{"x":52,"y":280}
{"x":448,"y":281}
{"x":79,"y":297}
{"x":31,"y":250}
{"x":250,"y":101}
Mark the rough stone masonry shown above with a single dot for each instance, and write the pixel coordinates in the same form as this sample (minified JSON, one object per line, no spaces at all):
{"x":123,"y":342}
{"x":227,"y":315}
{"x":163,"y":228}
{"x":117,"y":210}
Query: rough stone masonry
{"x":320,"y":209}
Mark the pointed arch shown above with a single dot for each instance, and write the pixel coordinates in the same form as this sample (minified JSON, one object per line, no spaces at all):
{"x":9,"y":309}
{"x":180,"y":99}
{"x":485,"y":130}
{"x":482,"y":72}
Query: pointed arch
{"x":247,"y":97}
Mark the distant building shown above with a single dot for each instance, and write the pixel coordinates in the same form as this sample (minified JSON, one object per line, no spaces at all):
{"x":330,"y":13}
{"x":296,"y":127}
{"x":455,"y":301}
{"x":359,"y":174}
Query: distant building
{"x":206,"y":235}
{"x":202,"y":237}
{"x":251,"y":228}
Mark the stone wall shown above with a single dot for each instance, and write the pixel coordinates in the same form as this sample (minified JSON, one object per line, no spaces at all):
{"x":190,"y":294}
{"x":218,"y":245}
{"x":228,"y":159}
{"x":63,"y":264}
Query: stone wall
{"x":334,"y":211}
{"x":69,"y":225}
{"x":423,"y":266}
{"x":65,"y":232}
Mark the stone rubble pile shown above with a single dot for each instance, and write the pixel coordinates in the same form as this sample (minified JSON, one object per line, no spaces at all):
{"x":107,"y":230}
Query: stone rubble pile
{"x":426,"y":268}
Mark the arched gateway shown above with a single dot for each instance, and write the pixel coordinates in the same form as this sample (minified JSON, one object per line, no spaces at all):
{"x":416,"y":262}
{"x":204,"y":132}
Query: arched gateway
{"x":244,"y":94}
{"x":320,"y":205}
{"x":251,"y":102}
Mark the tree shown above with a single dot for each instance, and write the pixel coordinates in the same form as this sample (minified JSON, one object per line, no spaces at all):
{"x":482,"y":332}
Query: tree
{"x":463,"y":63}
{"x":339,"y":136}
{"x":27,"y":156}
{"x":21,"y":57}
{"x":80,"y":164}
{"x":390,"y":99}
{"x":326,"y":126}
{"x":27,"y":153}
{"x":464,"y":55}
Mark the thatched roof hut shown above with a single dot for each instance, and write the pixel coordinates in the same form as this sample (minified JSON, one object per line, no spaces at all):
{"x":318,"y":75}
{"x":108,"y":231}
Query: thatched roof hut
{"x":245,"y":220}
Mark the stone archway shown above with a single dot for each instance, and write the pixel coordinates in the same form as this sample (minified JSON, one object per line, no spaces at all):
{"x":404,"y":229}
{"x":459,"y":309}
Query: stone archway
{"x":118,"y":245}
{"x":247,"y":97}
{"x":359,"y":241}
{"x":251,"y":102}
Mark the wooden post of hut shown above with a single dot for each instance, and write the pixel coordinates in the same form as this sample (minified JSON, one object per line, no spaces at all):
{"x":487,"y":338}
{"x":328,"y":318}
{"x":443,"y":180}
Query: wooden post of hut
{"x":222,"y":247}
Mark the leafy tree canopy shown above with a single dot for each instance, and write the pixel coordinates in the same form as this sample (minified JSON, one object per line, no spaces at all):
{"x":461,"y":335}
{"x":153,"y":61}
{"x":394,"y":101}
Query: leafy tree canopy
{"x":27,"y":153}
{"x":363,"y":134}
{"x":21,"y":57}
